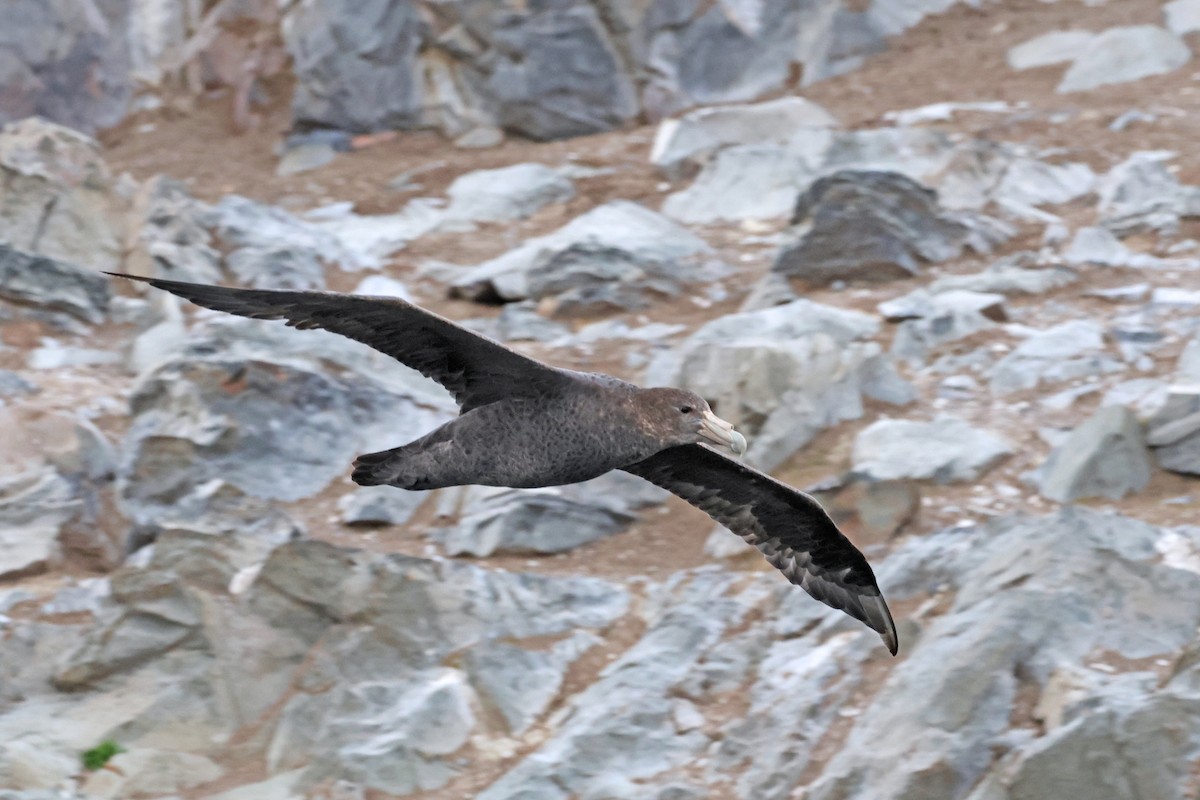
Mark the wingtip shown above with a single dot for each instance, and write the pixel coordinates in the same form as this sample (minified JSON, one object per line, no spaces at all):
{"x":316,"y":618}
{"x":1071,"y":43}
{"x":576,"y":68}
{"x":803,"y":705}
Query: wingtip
{"x":879,"y":617}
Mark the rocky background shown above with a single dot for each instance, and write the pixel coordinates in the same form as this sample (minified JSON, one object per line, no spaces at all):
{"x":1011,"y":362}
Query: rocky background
{"x":939,"y":261}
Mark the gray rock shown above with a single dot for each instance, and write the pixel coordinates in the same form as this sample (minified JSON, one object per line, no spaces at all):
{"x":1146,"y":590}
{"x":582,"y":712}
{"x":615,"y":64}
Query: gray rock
{"x":921,"y":303}
{"x":66,"y":64}
{"x":1055,"y":47}
{"x":276,"y":268}
{"x":1029,"y":182}
{"x":521,"y":684}
{"x":946,"y":450}
{"x":1174,"y":431}
{"x":783,"y":373}
{"x":1113,"y":734}
{"x":59,"y":199}
{"x":1096,"y":245}
{"x":757,"y":181}
{"x":379,"y":505}
{"x":868,"y":225}
{"x":1000,"y":636}
{"x":772,"y":290}
{"x":173,"y":239}
{"x":1103,"y":457}
{"x":271,"y":426}
{"x":695,"y":137}
{"x":147,"y":770}
{"x":53,"y":285}
{"x":624,"y":727}
{"x":304,"y":158}
{"x":1141,"y":194}
{"x":1182,"y":16}
{"x":917,"y":339}
{"x":13,"y":385}
{"x":480,"y":137}
{"x":536,"y":96}
{"x":1144,"y":396}
{"x":368,"y":241}
{"x":1064,"y":352}
{"x":356,"y":66}
{"x":240,"y":223}
{"x":1123,"y":54}
{"x":514,"y":192}
{"x":379,"y":708}
{"x":383,"y":286}
{"x":550,"y":520}
{"x":1008,"y":277}
{"x":33,"y":510}
{"x":618,"y":255}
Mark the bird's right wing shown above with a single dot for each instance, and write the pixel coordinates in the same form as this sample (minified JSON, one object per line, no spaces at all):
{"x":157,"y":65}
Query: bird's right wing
{"x":476,"y":369}
{"x":787,"y":526}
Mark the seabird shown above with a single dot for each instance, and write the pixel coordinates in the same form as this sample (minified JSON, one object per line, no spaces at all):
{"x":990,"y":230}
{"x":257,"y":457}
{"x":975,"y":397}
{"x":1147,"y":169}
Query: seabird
{"x":525,"y":424}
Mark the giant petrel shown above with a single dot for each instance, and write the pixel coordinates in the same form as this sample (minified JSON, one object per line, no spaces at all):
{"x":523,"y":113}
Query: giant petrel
{"x":523,"y":423}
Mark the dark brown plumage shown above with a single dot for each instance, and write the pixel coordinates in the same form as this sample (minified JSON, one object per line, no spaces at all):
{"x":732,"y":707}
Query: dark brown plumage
{"x":523,"y":423}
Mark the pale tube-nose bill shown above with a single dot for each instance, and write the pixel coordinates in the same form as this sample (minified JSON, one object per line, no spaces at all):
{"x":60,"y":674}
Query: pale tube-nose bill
{"x":718,"y":430}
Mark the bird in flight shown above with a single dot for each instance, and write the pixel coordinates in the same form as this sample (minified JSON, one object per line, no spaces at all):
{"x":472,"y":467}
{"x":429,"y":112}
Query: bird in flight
{"x":524,"y":424}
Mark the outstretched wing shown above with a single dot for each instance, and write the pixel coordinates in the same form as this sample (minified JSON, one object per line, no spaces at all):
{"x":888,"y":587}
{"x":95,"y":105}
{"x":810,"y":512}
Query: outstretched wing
{"x":787,"y":526}
{"x":475,"y":369}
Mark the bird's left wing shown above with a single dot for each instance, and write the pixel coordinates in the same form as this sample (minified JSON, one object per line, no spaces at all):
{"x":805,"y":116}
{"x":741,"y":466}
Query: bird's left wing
{"x":475,"y":369}
{"x":787,"y":526}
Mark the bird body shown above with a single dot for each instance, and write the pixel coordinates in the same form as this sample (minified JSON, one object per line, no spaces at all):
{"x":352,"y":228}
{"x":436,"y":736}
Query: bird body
{"x":523,"y":443}
{"x":526,"y":424}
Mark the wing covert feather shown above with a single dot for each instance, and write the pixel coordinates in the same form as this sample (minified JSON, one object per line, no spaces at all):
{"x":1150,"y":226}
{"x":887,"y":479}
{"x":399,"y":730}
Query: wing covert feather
{"x":474,"y":368}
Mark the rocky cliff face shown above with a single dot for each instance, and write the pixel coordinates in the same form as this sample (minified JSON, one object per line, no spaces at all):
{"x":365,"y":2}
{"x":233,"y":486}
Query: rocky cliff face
{"x":953,"y":291}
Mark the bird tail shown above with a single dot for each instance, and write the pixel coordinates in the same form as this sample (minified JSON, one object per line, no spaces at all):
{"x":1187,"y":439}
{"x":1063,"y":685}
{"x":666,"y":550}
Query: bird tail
{"x":377,"y":469}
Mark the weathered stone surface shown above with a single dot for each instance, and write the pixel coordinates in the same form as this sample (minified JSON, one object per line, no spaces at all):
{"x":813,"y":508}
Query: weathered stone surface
{"x":744,"y":182}
{"x":1103,"y":457}
{"x":1070,"y":350}
{"x":921,"y":303}
{"x":550,"y":520}
{"x":355,"y":66}
{"x":1182,"y":16}
{"x":276,"y":268}
{"x":1141,"y":194}
{"x":51,"y":284}
{"x":271,"y":426}
{"x":868,"y":225}
{"x":627,"y":726}
{"x":68,"y":63}
{"x":537,"y":97}
{"x":379,"y":505}
{"x":1125,"y":54}
{"x":173,"y":239}
{"x":783,"y":373}
{"x":1174,"y":431}
{"x":1055,"y":47}
{"x":514,"y":192}
{"x":148,"y":771}
{"x":1031,"y":182}
{"x":243,"y":223}
{"x":1022,"y":606}
{"x":33,"y":510}
{"x":1008,"y":277}
{"x":946,"y":450}
{"x":59,"y":199}
{"x":619,"y":255}
{"x":521,"y":683}
{"x":695,"y":137}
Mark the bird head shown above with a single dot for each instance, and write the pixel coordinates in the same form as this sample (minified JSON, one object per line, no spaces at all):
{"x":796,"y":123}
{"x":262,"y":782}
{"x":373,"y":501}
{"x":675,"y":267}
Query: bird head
{"x":677,"y":417}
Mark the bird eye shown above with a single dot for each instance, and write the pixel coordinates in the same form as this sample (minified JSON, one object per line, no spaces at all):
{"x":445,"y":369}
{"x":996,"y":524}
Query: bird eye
{"x":686,"y":409}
